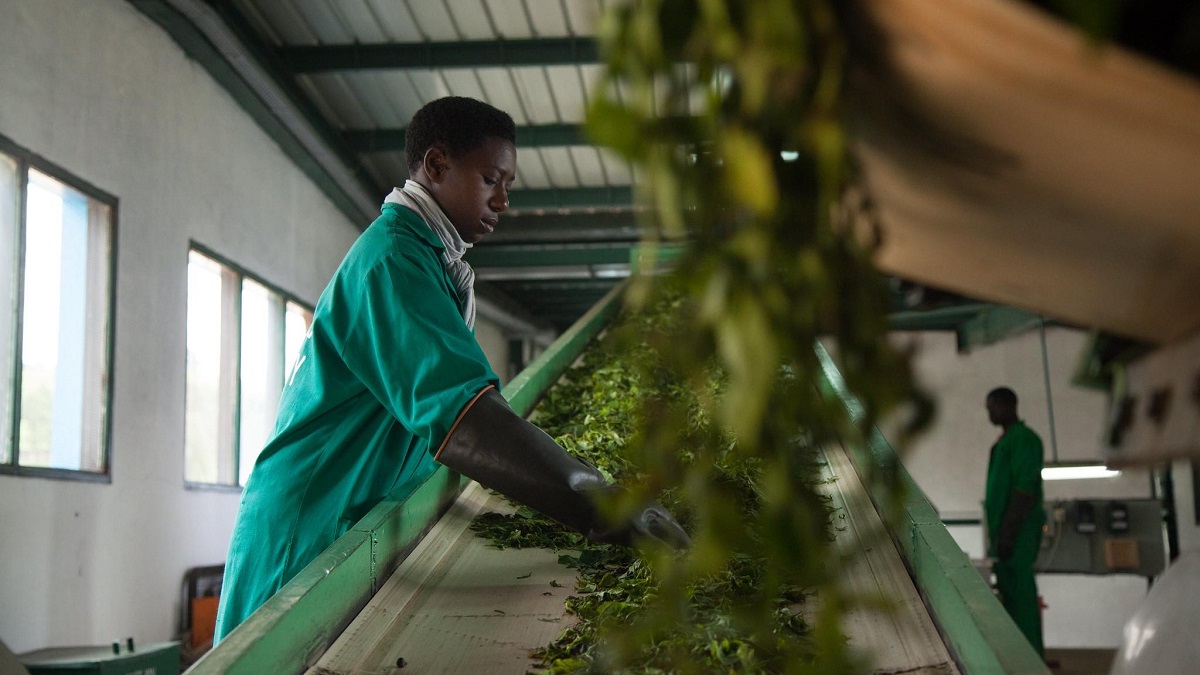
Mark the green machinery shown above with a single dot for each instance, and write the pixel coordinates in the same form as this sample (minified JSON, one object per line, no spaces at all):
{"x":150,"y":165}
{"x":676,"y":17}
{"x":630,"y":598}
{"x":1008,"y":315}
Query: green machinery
{"x":295,"y":628}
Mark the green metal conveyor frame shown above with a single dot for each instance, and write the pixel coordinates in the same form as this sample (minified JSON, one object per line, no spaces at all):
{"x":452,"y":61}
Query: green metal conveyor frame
{"x":291,"y":631}
{"x":978,"y":631}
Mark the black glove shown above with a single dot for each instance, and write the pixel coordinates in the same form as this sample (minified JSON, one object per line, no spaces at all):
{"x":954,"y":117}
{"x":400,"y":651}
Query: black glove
{"x":1019,"y":505}
{"x":498,"y":448}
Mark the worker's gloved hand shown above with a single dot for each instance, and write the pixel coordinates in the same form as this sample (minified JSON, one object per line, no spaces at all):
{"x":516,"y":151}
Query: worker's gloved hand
{"x":1019,"y":505}
{"x":651,"y":523}
{"x":498,"y":448}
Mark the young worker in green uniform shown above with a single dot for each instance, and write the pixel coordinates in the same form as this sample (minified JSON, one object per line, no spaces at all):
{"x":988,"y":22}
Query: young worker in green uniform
{"x":1015,"y":514}
{"x":391,"y":382}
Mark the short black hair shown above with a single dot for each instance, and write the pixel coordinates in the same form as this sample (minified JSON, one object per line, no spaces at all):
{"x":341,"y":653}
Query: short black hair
{"x":458,"y":124}
{"x":1003,"y":396}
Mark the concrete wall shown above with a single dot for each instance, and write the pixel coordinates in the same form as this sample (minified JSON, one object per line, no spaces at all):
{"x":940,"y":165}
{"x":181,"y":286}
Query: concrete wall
{"x":103,"y":92}
{"x":950,"y":463}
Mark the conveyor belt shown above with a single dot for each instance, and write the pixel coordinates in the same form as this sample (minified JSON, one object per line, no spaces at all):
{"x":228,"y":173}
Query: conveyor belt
{"x":902,"y":641}
{"x":447,"y":602}
{"x":458,"y":605}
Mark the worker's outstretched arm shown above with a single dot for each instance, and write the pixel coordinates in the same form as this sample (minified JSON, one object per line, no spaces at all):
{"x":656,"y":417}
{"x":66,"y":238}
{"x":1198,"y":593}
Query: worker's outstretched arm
{"x":502,"y":451}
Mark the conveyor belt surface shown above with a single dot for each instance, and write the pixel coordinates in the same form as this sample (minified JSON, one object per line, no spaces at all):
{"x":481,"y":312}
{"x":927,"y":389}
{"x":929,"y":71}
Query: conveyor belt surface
{"x":902,"y":641}
{"x":458,"y":605}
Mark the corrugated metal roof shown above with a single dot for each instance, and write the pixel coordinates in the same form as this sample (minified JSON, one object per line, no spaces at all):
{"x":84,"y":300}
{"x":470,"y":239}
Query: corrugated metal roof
{"x":336,"y":81}
{"x":330,"y":22}
{"x":559,"y":175}
{"x":387,"y":98}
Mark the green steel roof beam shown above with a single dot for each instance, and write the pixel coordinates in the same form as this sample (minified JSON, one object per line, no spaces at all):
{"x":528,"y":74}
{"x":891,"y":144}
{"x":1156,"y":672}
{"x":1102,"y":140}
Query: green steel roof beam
{"x":578,"y":305}
{"x":572,"y":198}
{"x":580,"y":302}
{"x":993,"y":325}
{"x":542,"y":297}
{"x":941,"y":318}
{"x":574,"y":228}
{"x":552,"y":273}
{"x":543,"y":287}
{"x":539,"y":255}
{"x":533,"y":136}
{"x":558,"y":313}
{"x":437,"y":55}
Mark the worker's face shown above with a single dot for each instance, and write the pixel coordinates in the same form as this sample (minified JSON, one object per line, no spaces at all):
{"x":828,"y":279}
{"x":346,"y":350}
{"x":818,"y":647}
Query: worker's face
{"x":472,"y":188}
{"x":997,"y":411}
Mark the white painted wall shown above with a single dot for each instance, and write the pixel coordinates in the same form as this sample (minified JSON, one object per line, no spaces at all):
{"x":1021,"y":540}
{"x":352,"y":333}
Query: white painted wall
{"x":1185,"y":507}
{"x":494,"y":342}
{"x":950,"y":462}
{"x":100,"y":90}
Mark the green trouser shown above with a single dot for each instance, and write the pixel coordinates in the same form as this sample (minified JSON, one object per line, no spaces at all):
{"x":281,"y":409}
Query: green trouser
{"x":1018,"y":591}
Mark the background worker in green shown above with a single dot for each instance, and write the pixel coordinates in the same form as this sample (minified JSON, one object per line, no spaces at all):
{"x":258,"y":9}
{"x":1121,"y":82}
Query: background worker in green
{"x":390,"y":380}
{"x":1015,"y":514}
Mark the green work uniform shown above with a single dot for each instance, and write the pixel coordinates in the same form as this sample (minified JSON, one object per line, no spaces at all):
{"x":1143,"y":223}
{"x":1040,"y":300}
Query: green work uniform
{"x":1016,"y":464}
{"x":386,"y":368}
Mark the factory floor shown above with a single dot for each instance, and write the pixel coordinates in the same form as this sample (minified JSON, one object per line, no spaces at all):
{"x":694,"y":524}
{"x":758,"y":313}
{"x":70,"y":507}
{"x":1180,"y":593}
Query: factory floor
{"x":1080,"y":661}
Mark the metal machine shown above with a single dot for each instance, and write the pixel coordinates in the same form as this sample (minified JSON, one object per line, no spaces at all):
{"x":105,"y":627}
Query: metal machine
{"x":378,"y":592}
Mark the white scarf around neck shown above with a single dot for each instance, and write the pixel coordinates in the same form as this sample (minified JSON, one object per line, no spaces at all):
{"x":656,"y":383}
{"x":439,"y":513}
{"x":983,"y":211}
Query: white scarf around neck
{"x":414,"y":196}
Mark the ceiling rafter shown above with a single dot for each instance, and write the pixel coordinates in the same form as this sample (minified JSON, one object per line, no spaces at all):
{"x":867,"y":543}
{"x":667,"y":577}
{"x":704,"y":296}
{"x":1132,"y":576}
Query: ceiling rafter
{"x":272,"y":83}
{"x":612,"y":197}
{"x":580,"y":227}
{"x":535,"y":255}
{"x":438,"y":55}
{"x":532,"y":136}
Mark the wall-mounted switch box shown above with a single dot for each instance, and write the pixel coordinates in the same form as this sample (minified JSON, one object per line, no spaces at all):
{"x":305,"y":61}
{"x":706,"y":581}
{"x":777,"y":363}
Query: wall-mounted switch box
{"x":1085,"y":517}
{"x":1118,"y":517}
{"x":1103,"y":536}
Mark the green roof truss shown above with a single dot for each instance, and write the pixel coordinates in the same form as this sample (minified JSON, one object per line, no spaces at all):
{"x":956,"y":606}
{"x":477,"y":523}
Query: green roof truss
{"x":437,"y":55}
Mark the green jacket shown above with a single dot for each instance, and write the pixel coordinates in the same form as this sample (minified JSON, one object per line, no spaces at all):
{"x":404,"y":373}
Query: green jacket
{"x":1015,"y":464}
{"x":387,"y":367}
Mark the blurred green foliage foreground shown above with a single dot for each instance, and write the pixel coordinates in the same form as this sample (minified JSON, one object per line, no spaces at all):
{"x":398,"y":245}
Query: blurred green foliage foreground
{"x":731,"y":113}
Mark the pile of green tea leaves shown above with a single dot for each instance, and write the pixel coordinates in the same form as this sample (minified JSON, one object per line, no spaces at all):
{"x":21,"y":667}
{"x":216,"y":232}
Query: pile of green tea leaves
{"x":598,"y":411}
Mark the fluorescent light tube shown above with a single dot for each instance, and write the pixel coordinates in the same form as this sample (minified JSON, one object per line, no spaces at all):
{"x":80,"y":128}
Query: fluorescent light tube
{"x":1078,"y":472}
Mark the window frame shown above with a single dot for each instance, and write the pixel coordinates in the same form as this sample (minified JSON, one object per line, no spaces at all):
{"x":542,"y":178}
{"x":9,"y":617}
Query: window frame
{"x":27,"y":159}
{"x":286,"y":297}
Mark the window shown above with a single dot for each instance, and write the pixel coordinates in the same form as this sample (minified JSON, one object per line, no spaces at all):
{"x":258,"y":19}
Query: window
{"x":241,"y":335}
{"x":56,"y":274}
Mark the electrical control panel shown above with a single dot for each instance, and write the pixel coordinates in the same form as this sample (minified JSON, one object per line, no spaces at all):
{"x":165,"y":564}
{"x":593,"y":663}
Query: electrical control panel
{"x":1104,"y":536}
